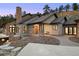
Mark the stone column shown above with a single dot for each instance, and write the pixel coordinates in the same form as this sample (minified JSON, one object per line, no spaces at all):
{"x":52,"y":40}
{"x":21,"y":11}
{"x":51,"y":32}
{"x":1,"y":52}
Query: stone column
{"x":20,"y":29}
{"x":77,"y":29}
{"x":41,"y":28}
{"x":60,"y":29}
{"x":30,"y":29}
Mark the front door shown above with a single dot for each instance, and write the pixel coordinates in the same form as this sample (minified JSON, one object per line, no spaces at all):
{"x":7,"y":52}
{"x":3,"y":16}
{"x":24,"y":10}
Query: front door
{"x":36,"y":29}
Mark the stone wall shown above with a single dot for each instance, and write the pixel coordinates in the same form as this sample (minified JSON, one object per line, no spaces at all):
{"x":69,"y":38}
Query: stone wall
{"x":30,"y":29}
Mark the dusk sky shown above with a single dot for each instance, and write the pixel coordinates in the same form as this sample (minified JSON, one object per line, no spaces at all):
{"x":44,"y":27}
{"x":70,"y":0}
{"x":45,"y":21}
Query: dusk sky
{"x":10,"y":8}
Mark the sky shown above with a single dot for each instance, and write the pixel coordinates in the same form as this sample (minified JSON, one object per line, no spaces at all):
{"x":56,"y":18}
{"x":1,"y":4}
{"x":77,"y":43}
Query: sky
{"x":10,"y":8}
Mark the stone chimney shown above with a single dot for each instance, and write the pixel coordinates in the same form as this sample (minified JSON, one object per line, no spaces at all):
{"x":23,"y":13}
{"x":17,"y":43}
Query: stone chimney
{"x":18,"y":14}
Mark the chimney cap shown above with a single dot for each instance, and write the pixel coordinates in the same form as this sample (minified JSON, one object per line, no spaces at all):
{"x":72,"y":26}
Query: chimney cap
{"x":18,"y":7}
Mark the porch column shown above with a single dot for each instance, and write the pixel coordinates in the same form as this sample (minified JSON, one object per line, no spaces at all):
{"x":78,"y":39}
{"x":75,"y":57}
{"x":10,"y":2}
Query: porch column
{"x":20,"y":29}
{"x":60,"y":29}
{"x":41,"y":28}
{"x":77,"y":29}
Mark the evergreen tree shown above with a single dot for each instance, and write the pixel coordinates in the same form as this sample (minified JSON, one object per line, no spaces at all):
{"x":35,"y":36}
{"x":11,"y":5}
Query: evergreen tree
{"x":6,"y":19}
{"x":24,"y":13}
{"x":56,"y":9}
{"x":61,"y":8}
{"x":67,"y":7}
{"x":46,"y":9}
{"x":75,"y":7}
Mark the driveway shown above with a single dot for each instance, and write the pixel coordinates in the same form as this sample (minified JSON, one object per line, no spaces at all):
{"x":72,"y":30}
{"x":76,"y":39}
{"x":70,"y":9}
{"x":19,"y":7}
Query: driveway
{"x":36,"y":49}
{"x":64,"y":40}
{"x":65,"y":48}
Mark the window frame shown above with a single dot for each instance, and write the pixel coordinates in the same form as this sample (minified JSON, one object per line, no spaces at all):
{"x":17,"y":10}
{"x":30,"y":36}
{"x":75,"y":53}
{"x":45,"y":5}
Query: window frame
{"x":12,"y":28}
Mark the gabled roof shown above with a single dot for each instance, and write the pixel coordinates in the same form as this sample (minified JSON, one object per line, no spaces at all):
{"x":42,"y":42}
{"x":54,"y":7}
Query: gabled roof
{"x":58,"y":20}
{"x":46,"y":19}
{"x":50,"y":19}
{"x":41,"y":19}
{"x":71,"y":19}
{"x":31,"y":20}
{"x":24,"y":19}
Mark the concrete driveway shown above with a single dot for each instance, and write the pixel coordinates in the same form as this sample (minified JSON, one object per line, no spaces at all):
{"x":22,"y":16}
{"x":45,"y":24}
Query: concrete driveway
{"x":35,"y":49}
{"x":65,"y":48}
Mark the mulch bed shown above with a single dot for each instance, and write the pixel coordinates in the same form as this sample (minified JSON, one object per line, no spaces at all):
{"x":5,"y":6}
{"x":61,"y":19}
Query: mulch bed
{"x":34,"y":39}
{"x":74,"y":39}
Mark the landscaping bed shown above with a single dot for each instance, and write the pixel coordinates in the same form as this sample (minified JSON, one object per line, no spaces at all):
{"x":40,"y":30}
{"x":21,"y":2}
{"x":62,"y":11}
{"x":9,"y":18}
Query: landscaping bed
{"x":34,"y":39}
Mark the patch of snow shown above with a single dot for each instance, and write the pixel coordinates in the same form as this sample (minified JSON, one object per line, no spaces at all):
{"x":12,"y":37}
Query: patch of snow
{"x":8,"y":48}
{"x":3,"y":35}
{"x":5,"y":45}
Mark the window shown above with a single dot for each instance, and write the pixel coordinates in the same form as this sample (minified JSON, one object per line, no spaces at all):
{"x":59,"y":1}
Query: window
{"x":54,"y":27}
{"x":70,"y":30}
{"x":74,"y":29}
{"x":12,"y":28}
{"x":66,"y":30}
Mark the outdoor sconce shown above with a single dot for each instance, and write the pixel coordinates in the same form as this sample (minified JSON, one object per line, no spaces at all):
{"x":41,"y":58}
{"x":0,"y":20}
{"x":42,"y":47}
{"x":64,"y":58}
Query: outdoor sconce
{"x":3,"y":39}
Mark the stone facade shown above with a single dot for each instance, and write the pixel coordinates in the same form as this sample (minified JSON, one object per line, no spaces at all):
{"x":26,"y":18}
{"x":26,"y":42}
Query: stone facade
{"x":21,"y":29}
{"x":46,"y":29}
{"x":7,"y":28}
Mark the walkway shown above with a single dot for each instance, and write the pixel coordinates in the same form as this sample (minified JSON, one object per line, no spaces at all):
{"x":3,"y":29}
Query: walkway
{"x":64,"y":40}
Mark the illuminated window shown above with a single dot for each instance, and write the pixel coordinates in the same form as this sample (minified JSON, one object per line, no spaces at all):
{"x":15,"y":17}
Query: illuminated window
{"x":74,"y":30}
{"x":12,"y":29}
{"x":70,"y":30}
{"x":66,"y":30}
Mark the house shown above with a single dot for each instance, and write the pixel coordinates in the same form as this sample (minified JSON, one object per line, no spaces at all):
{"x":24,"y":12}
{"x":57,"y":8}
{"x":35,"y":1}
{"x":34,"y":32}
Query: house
{"x":46,"y":24}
